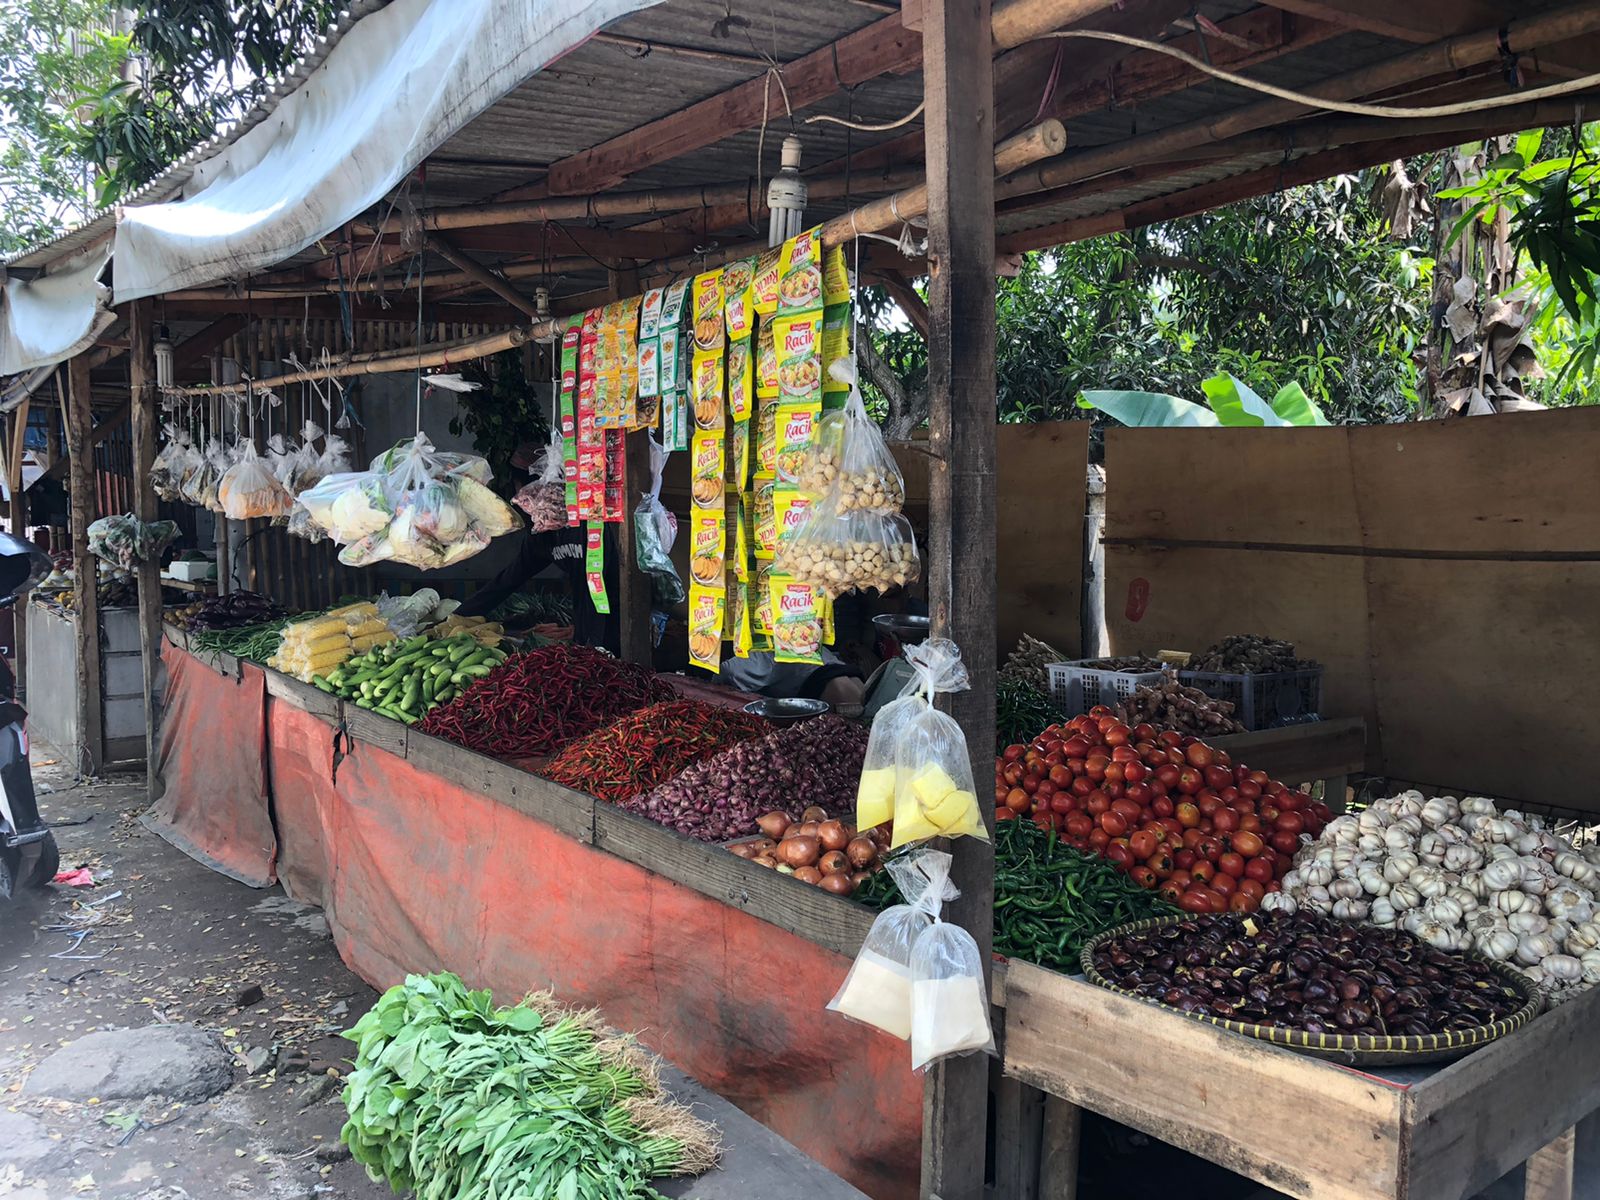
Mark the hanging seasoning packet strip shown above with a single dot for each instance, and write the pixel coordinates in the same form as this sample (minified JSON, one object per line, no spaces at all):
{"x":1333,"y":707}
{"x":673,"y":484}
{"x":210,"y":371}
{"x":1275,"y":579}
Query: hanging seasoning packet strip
{"x":708,"y":541}
{"x":800,"y":273}
{"x":738,"y":617}
{"x":764,"y":287}
{"x":674,"y":407}
{"x":616,"y":487}
{"x":760,"y":605}
{"x":797,"y":427}
{"x":706,"y":467}
{"x":796,"y":620}
{"x":764,"y":516}
{"x":835,"y":347}
{"x":705,"y":389}
{"x":569,"y":416}
{"x":627,"y":334}
{"x":739,"y":315}
{"x":741,"y":371}
{"x":706,"y":308}
{"x":766,"y":447}
{"x":766,"y":366}
{"x":798,"y":342}
{"x":705,"y":627}
{"x":739,"y":526}
{"x":594,"y":566}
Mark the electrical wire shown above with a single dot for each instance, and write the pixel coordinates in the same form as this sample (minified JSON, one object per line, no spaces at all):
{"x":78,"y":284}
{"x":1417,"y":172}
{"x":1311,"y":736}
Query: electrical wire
{"x":905,"y":120}
{"x":1354,"y":108}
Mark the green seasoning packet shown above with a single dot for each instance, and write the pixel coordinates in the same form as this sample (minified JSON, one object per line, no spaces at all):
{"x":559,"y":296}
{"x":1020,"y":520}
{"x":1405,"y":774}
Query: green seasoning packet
{"x":594,"y":567}
{"x":569,"y":418}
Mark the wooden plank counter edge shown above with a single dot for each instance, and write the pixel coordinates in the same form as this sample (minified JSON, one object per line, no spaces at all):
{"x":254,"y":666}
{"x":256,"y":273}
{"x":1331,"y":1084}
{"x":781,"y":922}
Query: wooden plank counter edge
{"x":1203,"y":1089}
{"x":1297,"y":753}
{"x":304,"y":696}
{"x":563,"y":809}
{"x":1479,"y":1117}
{"x":827,"y":920}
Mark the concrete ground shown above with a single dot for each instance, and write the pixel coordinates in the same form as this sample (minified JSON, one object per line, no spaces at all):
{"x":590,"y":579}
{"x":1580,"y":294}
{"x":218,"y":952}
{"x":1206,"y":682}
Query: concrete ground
{"x":159,"y":941}
{"x":169,"y":941}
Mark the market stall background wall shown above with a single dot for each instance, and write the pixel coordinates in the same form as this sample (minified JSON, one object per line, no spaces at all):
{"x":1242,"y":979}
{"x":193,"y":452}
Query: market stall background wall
{"x":1040,"y":518}
{"x":1446,"y":573}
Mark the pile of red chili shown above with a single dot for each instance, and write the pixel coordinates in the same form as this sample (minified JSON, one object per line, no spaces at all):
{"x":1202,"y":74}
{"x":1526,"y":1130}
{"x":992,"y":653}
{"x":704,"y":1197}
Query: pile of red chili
{"x":535,"y":703}
{"x":644,"y":748}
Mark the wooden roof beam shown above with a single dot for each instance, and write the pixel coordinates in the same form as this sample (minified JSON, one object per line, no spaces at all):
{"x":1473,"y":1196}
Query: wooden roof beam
{"x":480,"y":274}
{"x":884,"y":47}
{"x":1423,"y":21}
{"x":1456,"y":53}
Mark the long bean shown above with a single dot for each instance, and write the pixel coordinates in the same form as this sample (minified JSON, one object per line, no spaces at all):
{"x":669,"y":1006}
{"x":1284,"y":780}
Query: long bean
{"x":1049,"y":899}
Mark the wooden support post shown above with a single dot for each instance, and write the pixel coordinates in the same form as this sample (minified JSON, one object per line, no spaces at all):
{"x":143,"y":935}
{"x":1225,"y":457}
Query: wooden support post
{"x":958,"y":83}
{"x":1550,"y":1174}
{"x":142,"y":401}
{"x":633,"y":585}
{"x":19,"y":529}
{"x":1058,"y":1152}
{"x":87,"y":754}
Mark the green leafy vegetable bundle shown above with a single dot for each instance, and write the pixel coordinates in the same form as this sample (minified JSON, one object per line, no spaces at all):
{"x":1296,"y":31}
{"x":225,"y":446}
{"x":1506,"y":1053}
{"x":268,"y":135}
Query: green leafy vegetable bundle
{"x":459,"y":1100}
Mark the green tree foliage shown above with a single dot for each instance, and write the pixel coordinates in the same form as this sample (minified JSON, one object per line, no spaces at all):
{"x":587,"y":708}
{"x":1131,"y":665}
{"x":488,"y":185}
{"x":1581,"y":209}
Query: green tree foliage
{"x":1304,"y":285}
{"x":56,"y":56}
{"x":88,"y":114}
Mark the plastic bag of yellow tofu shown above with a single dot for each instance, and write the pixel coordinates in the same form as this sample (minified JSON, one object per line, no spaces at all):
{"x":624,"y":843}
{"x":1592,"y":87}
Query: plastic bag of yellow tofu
{"x":917,"y":771}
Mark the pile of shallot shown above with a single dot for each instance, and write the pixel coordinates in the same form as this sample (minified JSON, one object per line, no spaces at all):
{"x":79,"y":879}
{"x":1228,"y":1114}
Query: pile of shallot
{"x":1459,"y":874}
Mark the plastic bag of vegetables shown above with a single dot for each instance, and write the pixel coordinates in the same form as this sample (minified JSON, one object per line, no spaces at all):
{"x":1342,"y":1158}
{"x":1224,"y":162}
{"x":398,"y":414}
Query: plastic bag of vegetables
{"x":166,"y":473}
{"x":127,"y":541}
{"x":849,"y":462}
{"x":250,"y":489}
{"x":544,"y":498}
{"x":851,"y":551}
{"x":349,"y":506}
{"x":877,"y":989}
{"x":654,"y":531}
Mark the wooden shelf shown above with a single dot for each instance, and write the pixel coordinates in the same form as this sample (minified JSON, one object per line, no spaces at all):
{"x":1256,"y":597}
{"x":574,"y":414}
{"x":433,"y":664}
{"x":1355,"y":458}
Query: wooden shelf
{"x":203,"y":586}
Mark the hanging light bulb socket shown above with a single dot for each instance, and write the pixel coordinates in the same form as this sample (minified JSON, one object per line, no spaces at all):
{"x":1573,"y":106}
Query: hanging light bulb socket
{"x":786,"y":195}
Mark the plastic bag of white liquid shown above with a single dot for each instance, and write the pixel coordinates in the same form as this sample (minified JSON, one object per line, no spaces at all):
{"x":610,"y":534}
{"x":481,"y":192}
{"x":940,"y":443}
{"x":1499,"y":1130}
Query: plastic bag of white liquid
{"x":877,"y":989}
{"x":949,"y":1006}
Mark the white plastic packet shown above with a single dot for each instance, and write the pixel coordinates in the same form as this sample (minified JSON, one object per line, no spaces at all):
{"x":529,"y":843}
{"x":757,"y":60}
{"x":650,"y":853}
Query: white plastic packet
{"x":949,"y":1007}
{"x":877,"y":989}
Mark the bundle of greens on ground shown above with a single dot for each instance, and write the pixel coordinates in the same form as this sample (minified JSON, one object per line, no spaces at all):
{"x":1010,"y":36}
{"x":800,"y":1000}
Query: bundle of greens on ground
{"x":459,"y":1100}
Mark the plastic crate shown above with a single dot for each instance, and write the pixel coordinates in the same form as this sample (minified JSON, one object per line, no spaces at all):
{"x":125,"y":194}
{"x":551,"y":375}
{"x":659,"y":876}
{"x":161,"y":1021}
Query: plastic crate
{"x":1263,"y":701}
{"x":1077,"y":687}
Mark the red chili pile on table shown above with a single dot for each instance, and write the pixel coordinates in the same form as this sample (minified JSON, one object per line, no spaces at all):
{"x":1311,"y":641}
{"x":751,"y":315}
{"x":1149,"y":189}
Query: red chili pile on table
{"x":1171,"y":811}
{"x":648,"y":747}
{"x":535,"y":703}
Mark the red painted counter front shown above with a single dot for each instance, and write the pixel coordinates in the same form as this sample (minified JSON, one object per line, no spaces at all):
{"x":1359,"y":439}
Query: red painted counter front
{"x":416,"y":873}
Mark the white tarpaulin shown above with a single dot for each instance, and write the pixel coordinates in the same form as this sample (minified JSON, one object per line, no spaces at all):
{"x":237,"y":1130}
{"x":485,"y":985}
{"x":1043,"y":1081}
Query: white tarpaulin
{"x":53,"y":317}
{"x":397,"y":84}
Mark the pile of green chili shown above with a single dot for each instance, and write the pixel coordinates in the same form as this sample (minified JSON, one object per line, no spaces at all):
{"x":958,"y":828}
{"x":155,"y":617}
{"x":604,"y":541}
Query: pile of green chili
{"x":1049,"y":899}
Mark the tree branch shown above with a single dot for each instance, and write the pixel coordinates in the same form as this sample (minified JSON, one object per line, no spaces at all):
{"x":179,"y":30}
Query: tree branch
{"x":907,"y":409}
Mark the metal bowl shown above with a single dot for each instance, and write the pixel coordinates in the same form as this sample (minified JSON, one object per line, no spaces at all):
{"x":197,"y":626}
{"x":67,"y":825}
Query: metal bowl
{"x":903,"y":627}
{"x":786,"y":710}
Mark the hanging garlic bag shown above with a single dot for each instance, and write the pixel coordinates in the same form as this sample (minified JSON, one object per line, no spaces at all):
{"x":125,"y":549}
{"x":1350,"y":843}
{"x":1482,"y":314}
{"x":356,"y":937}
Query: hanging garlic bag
{"x":544,"y":497}
{"x":654,"y":531}
{"x":949,"y":1006}
{"x":849,"y":461}
{"x":877,"y":989}
{"x":853,"y":551}
{"x":934,"y":794}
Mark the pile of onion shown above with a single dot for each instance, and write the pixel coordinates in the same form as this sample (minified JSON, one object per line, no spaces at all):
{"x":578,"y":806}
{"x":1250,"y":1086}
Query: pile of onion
{"x":817,"y":850}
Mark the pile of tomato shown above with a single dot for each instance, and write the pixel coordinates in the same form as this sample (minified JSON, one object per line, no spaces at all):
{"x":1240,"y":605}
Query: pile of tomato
{"x":1174,"y":813}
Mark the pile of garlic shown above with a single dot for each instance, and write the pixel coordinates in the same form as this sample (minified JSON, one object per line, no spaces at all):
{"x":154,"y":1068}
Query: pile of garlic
{"x":1460,"y":875}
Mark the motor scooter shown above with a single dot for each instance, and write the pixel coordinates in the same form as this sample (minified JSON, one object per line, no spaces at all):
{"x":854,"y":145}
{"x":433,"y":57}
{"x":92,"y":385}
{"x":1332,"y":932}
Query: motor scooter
{"x":29,"y":858}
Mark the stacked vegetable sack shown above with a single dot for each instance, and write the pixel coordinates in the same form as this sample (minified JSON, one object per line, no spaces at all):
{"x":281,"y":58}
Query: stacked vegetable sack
{"x":1177,"y":815}
{"x":1460,"y":874}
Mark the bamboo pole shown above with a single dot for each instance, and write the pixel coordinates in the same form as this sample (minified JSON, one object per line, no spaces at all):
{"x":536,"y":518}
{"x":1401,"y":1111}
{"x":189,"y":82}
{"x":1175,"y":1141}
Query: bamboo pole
{"x":87,"y":754}
{"x":1451,"y":54}
{"x":1029,"y":146}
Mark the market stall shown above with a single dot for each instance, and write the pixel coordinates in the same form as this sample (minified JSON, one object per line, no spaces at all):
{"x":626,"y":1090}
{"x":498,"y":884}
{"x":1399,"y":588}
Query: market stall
{"x":427,"y":852}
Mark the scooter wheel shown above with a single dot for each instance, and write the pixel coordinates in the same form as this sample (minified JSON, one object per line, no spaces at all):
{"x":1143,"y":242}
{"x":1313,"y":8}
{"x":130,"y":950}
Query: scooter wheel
{"x":46,"y":865}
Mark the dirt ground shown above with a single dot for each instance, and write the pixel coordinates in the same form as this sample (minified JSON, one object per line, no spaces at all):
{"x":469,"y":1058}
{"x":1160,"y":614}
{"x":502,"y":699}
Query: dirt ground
{"x":170,"y":941}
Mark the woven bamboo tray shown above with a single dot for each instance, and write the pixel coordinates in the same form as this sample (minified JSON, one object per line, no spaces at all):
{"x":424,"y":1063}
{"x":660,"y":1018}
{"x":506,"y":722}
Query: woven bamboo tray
{"x":1352,"y":1049}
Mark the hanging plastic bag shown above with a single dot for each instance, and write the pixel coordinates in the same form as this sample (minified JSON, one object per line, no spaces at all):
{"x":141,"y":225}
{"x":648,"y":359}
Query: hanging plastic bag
{"x":933,"y":792}
{"x":219,"y":461}
{"x":249,"y":489}
{"x":654,"y":531}
{"x":852,"y":551}
{"x":949,"y":1006}
{"x":849,"y":462}
{"x":348,"y":506}
{"x":877,"y":989}
{"x":127,"y":541}
{"x":442,"y":512}
{"x":166,"y":470}
{"x":936,"y":667}
{"x":544,"y":498}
